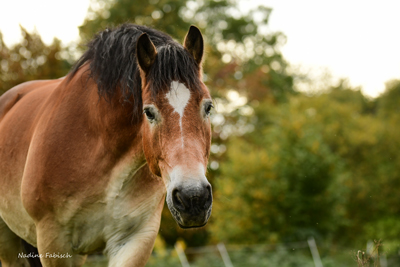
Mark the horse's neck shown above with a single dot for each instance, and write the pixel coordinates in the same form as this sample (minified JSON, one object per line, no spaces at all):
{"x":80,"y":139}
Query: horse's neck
{"x":112,"y":119}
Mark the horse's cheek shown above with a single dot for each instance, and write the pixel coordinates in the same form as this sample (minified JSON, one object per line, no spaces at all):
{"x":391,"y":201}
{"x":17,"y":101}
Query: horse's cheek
{"x":151,"y":150}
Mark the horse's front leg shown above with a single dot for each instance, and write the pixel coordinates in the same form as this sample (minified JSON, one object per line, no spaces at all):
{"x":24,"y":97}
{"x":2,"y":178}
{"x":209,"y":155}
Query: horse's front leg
{"x":135,"y":252}
{"x":55,"y":248}
{"x":134,"y":249}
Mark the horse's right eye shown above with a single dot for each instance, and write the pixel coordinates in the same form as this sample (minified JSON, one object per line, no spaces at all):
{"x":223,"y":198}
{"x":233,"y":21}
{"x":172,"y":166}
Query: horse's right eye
{"x":208,"y":108}
{"x":149,"y":114}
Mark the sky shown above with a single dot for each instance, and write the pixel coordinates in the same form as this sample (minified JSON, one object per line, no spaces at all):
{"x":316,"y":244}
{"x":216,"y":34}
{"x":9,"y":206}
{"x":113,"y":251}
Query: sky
{"x":51,"y":18}
{"x":354,"y":39}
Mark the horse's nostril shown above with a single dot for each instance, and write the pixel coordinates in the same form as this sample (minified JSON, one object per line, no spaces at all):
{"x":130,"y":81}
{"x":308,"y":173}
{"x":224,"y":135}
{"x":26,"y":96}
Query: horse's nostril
{"x":209,"y":198}
{"x":209,"y":191}
{"x":192,"y":200}
{"x":208,"y":188}
{"x":177,"y":199}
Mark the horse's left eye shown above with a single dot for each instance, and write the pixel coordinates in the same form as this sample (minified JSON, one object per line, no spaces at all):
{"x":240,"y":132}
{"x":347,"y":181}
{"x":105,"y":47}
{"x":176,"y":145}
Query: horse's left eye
{"x":150,"y":116}
{"x":207,"y":108}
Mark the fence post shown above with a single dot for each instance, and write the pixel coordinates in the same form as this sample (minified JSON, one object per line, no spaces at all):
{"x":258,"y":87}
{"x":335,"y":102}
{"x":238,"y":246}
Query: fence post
{"x":314,"y":252}
{"x":383,"y":260}
{"x":224,"y":254}
{"x":370,"y":247}
{"x":181,"y":255}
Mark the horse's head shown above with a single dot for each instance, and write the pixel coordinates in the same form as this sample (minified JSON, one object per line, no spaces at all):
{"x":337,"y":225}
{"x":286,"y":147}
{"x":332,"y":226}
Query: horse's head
{"x":176,"y":130}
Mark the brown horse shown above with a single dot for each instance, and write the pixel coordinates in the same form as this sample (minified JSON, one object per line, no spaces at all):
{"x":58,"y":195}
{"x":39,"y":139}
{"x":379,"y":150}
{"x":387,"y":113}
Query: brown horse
{"x":86,"y":160}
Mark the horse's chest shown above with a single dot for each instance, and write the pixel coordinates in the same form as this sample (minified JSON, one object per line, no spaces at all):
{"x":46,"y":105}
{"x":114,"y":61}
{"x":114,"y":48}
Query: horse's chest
{"x":87,"y":229}
{"x":119,"y":216}
{"x":93,"y":228}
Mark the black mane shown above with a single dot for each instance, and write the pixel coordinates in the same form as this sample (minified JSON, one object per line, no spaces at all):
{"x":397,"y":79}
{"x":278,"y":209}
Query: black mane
{"x":113,"y":63}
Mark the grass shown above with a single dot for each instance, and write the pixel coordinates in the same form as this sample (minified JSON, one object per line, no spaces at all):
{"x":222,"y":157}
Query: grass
{"x":265,"y":256}
{"x":365,"y":260}
{"x":247,"y":256}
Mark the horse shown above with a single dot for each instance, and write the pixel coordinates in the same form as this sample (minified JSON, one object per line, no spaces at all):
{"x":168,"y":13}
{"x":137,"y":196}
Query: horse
{"x":88,"y":160}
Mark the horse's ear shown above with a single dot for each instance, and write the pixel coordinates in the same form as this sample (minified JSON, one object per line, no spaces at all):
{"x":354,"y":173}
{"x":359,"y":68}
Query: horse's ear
{"x":145,"y":52}
{"x":194,"y":43}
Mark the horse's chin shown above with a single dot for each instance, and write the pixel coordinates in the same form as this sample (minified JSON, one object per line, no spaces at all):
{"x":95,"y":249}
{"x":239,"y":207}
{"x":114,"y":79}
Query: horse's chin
{"x":190,"y":227}
{"x":190,"y":224}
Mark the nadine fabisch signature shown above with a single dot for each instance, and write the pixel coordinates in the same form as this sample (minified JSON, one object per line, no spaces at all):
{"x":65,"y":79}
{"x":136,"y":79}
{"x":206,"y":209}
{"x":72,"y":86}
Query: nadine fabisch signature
{"x":47,"y":255}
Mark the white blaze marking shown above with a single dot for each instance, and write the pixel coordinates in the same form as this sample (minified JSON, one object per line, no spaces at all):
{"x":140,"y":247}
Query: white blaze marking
{"x":178,"y":97}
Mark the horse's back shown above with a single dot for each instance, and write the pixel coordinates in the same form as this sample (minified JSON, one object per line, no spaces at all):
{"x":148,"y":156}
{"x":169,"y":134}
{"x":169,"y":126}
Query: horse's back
{"x":12,"y":96}
{"x":20,"y":107}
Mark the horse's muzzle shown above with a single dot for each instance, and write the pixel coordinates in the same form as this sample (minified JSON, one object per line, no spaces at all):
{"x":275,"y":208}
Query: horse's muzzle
{"x":191,"y":205}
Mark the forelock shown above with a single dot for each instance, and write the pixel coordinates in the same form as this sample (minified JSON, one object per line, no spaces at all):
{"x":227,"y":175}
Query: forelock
{"x":173,"y":63}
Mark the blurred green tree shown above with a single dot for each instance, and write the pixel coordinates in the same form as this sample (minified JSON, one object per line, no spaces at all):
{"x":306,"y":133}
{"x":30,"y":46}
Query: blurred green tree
{"x":281,"y":181}
{"x":30,"y":59}
{"x":323,"y":165}
{"x":388,"y":102}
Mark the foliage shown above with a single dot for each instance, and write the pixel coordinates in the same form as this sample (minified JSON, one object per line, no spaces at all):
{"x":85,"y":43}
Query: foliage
{"x":288,"y":180}
{"x":30,"y":59}
{"x":387,"y":229}
{"x":388,"y":102}
{"x":323,"y":165}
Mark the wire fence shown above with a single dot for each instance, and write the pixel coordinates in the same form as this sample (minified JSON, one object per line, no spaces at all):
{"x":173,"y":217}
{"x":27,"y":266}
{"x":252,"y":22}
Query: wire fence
{"x":302,"y":254}
{"x":251,"y":255}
